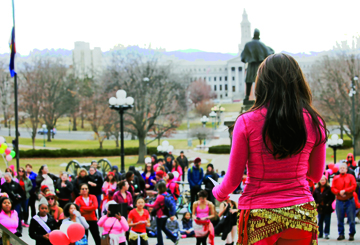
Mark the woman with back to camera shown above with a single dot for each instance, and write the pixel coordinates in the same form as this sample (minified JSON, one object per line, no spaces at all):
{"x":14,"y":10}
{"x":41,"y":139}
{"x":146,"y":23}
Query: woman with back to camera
{"x":281,"y":141}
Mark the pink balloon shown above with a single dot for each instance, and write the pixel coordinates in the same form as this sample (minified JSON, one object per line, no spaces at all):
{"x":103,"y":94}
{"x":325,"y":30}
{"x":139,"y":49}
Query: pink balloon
{"x":7,"y":151}
{"x":57,"y":237}
{"x":75,"y":232}
{"x":330,"y":171}
{"x":9,"y":158}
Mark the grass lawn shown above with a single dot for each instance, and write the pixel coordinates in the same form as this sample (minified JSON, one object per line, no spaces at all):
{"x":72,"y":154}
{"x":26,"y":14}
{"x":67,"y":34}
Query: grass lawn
{"x":183,"y":126}
{"x":233,"y":107}
{"x":94,"y":144}
{"x":54,"y":163}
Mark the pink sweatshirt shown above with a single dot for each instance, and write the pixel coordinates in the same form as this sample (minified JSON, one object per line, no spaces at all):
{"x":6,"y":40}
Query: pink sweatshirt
{"x":11,"y":223}
{"x":119,"y":226}
{"x":271,"y":183}
{"x":179,"y":170}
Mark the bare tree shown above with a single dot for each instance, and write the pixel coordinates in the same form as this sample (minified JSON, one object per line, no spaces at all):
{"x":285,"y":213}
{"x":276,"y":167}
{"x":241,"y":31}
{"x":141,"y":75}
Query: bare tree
{"x":162,"y":96}
{"x":5,"y":92}
{"x":330,"y":80}
{"x":30,"y":96}
{"x":201,"y":133}
{"x":56,"y":91}
{"x":200,"y":91}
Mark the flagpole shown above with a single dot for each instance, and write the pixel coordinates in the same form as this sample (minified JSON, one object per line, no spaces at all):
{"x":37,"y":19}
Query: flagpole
{"x":16,"y":105}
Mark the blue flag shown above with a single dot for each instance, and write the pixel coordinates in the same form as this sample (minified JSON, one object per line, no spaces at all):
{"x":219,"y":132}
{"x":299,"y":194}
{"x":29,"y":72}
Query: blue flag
{"x":12,"y":53}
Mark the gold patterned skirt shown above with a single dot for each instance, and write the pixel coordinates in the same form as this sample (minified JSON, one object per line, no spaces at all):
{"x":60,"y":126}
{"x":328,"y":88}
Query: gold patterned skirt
{"x":258,"y":224}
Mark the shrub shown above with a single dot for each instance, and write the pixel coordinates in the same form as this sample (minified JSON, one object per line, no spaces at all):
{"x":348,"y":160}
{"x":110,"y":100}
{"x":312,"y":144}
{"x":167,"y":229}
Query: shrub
{"x":347,"y":144}
{"x":220,"y":149}
{"x":82,"y":153}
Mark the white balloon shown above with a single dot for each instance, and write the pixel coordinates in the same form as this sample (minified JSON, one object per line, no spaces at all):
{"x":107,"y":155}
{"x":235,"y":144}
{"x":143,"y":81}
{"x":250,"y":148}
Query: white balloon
{"x":159,"y":148}
{"x":112,"y":101}
{"x":129,"y":100}
{"x":340,"y":141}
{"x":121,"y":101}
{"x":121,"y":94}
{"x":148,"y":160}
{"x":165,"y":143}
{"x":176,"y":174}
{"x":334,"y":137}
{"x":170,"y":148}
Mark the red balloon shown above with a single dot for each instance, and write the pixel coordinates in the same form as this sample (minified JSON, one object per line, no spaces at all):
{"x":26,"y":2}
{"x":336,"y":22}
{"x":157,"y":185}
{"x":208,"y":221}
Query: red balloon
{"x":335,"y":169}
{"x":331,"y":165}
{"x":7,"y":151}
{"x":57,"y":237}
{"x":75,"y":232}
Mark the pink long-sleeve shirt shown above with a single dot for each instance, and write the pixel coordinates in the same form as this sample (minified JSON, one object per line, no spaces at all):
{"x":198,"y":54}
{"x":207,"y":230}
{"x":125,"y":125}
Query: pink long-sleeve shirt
{"x":10,"y":223}
{"x":271,"y":183}
{"x":120,"y":226}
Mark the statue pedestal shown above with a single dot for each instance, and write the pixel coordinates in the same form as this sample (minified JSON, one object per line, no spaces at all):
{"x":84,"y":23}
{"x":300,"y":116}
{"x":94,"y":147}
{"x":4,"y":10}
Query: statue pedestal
{"x":247,"y":104}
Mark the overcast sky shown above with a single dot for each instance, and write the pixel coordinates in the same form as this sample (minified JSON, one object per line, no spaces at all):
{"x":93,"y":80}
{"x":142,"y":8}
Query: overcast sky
{"x":293,"y":26}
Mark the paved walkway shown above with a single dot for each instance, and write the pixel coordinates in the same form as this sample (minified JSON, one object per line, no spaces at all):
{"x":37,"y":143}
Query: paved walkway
{"x":218,"y":241}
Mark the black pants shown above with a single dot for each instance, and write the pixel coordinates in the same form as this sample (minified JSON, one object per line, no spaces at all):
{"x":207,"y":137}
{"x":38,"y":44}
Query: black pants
{"x":201,"y":240}
{"x":161,"y":226}
{"x":94,"y":229}
{"x":210,"y":197}
{"x":183,"y":176}
{"x":193,"y":194}
{"x":32,"y":201}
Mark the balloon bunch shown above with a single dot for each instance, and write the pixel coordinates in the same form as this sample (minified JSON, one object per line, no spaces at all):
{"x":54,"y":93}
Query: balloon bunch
{"x":165,"y":147}
{"x":4,"y":149}
{"x":68,"y":233}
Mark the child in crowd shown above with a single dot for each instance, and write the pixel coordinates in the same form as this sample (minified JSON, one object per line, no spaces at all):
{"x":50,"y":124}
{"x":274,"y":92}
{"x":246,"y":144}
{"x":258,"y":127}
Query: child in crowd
{"x":186,"y":228}
{"x":138,"y":219}
{"x":173,"y":226}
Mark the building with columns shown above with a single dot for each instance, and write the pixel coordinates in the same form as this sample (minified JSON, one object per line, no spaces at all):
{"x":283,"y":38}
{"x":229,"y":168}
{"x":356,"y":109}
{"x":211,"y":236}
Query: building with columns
{"x":226,"y":78}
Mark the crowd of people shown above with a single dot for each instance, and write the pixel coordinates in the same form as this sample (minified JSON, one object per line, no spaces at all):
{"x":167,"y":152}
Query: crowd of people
{"x":85,"y":199}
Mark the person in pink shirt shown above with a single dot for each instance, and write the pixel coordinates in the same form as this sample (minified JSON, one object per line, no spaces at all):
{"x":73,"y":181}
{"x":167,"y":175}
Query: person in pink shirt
{"x":115,"y":227}
{"x":8,"y":218}
{"x":176,"y":167}
{"x":108,"y":188}
{"x":281,"y":140}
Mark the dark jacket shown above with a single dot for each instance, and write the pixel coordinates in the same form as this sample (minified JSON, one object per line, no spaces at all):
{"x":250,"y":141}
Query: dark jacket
{"x":36,"y":231}
{"x":15,"y":192}
{"x":139,"y":182}
{"x":324,"y":200}
{"x":76,"y":184}
{"x":207,"y":182}
{"x":183,"y":162}
{"x":95,"y":190}
{"x":64,"y":192}
{"x":40,"y":179}
{"x":117,"y":174}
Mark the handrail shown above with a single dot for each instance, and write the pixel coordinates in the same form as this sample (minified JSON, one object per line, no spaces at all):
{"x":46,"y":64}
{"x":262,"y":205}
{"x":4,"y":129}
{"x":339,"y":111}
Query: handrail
{"x":10,"y":238}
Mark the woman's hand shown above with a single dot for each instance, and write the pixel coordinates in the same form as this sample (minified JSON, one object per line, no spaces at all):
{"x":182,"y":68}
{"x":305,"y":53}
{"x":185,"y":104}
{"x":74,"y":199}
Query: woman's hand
{"x":108,"y":213}
{"x":153,"y":181}
{"x":46,"y":236}
{"x":63,"y":185}
{"x":118,"y":216}
{"x":233,"y":211}
{"x":147,"y":186}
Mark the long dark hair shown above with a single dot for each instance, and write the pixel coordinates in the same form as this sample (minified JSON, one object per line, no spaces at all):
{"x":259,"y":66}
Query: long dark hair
{"x":152,"y":168}
{"x":282,"y":88}
{"x":24,"y":175}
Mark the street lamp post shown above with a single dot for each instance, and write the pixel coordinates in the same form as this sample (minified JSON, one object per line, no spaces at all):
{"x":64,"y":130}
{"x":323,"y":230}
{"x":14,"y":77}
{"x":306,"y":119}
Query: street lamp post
{"x":44,"y":128}
{"x":218,"y":109}
{"x":204,"y":120}
{"x":213,"y":116}
{"x":146,"y":80}
{"x":352,"y":95}
{"x":334,"y":142}
{"x":120,"y":104}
